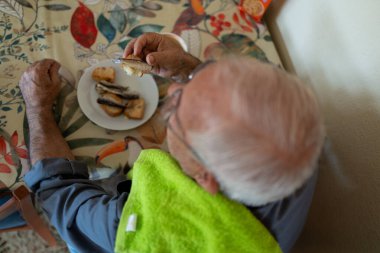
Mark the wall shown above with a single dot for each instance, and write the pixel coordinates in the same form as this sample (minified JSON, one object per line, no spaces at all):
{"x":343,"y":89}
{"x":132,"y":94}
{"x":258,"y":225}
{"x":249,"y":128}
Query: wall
{"x":335,"y":46}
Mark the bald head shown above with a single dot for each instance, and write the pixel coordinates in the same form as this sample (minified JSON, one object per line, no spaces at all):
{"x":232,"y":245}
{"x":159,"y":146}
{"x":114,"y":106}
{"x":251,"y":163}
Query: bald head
{"x":258,"y":129}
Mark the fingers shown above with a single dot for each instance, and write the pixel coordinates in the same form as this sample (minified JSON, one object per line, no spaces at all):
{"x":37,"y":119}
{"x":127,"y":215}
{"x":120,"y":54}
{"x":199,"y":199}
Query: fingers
{"x":143,"y":41}
{"x":41,"y":73}
{"x":40,"y":83}
{"x":54,"y":76}
{"x":45,"y":64}
{"x":42,"y":66}
{"x":147,"y":42}
{"x":129,"y":48}
{"x":31,"y":66}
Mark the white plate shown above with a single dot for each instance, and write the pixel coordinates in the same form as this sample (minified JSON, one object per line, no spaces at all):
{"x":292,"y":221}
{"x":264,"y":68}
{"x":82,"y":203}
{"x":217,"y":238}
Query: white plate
{"x":87,"y":97}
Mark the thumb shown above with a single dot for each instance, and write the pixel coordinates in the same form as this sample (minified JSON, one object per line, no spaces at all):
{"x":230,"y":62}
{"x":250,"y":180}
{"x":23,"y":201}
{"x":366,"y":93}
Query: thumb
{"x":164,"y":63}
{"x":151,"y":59}
{"x":154,"y":59}
{"x":161,"y":63}
{"x":161,"y":59}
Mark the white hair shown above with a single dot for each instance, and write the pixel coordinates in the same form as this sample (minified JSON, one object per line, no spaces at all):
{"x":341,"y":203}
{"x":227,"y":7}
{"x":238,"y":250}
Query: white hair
{"x":269,"y":145}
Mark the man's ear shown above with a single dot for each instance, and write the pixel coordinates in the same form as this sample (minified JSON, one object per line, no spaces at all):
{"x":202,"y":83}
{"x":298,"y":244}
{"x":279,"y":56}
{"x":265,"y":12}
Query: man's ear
{"x":207,"y":181}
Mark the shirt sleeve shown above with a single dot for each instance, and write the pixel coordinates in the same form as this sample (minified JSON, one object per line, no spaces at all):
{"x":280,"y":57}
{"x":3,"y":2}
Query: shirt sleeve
{"x":83,"y":213}
{"x":285,"y":218}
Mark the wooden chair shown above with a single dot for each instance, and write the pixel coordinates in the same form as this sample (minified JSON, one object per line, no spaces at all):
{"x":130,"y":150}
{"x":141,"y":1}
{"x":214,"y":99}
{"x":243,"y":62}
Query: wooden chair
{"x":18,"y":213}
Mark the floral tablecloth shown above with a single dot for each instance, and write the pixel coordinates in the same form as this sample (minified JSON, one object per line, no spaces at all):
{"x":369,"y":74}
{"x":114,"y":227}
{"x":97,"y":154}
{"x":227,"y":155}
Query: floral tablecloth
{"x":82,"y":33}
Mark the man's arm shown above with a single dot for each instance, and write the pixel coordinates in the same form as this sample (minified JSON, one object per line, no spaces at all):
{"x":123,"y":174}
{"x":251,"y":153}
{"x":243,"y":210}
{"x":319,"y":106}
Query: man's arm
{"x":40,"y":85}
{"x":46,"y":140}
{"x":85,"y":216}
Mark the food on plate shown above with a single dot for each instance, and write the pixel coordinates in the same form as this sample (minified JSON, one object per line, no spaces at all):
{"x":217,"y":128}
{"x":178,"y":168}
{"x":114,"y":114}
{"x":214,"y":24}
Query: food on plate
{"x":115,"y":99}
{"x":112,"y":104}
{"x":135,"y":109}
{"x":133,"y":65}
{"x":113,"y":85}
{"x":104,"y":87}
{"x":104,"y":73}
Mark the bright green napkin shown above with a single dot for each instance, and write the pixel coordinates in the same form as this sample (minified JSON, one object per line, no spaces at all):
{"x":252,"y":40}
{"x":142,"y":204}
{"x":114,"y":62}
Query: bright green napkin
{"x":176,"y":215}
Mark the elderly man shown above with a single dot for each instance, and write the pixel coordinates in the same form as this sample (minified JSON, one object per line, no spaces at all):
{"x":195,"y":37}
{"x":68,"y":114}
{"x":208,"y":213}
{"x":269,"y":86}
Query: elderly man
{"x":246,"y":135}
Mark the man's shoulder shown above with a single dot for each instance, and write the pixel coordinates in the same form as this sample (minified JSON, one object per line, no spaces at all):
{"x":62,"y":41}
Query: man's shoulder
{"x":285,"y":218}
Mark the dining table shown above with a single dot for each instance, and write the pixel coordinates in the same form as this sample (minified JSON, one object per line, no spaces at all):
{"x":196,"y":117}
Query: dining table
{"x":81,"y":34}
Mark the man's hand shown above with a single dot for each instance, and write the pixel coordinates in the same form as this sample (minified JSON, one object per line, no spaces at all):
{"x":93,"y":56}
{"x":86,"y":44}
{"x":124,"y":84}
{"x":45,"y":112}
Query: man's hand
{"x":165,"y":54}
{"x":40,"y":85}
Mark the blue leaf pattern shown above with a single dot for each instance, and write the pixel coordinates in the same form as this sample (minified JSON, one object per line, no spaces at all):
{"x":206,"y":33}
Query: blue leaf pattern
{"x":105,"y":28}
{"x":138,"y":30}
{"x":123,"y":43}
{"x":118,"y":19}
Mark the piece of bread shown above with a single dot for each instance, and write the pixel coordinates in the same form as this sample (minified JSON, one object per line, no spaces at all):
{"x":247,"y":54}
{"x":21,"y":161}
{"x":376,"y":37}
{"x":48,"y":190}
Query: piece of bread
{"x":135,"y":109}
{"x":134,"y":66}
{"x":111,"y":110}
{"x":104,"y":73}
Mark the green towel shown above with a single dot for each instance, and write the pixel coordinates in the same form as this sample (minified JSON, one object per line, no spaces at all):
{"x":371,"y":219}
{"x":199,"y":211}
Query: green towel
{"x":175,"y":215}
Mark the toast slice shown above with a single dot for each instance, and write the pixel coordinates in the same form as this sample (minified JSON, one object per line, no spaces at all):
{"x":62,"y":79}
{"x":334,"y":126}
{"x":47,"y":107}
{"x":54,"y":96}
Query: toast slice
{"x":104,"y":74}
{"x":135,"y":109}
{"x":112,"y":104}
{"x":134,"y":66}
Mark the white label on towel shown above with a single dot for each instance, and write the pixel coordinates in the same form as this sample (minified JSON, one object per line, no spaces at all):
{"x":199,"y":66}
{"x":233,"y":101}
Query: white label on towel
{"x":131,"y":224}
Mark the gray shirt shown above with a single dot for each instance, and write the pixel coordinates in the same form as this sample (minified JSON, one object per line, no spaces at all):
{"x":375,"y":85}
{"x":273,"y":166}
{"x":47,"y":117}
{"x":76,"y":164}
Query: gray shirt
{"x":87,"y":217}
